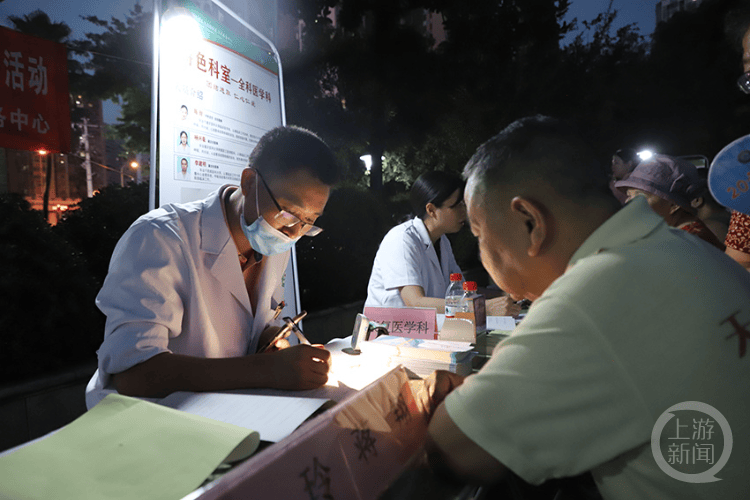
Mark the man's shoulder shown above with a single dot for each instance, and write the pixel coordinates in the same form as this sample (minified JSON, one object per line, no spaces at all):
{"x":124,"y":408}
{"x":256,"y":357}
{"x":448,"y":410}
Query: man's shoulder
{"x":170,"y":212}
{"x":166,"y":215}
{"x":653,"y":269}
{"x":170,"y":221}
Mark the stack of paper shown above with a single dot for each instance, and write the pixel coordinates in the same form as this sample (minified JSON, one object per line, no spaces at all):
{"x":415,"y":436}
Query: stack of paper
{"x":498,"y":329}
{"x":124,"y":448}
{"x":501,"y":324}
{"x":280,"y":415}
{"x":423,"y":356}
{"x":487,"y":341}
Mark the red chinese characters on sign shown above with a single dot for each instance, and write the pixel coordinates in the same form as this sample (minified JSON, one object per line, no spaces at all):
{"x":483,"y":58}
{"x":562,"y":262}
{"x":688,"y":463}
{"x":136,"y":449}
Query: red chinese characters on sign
{"x":222,"y":73}
{"x":34,"y":102}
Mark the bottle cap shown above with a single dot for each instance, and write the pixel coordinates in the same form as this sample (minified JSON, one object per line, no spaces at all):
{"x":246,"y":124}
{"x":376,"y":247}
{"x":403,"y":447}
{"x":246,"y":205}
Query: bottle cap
{"x":470,"y":286}
{"x":456,"y":277}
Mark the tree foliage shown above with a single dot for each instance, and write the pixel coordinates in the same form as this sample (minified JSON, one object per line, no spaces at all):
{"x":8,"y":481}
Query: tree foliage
{"x":97,"y":224}
{"x":374,"y":82}
{"x":39,"y":24}
{"x":49,"y":320}
{"x":119,"y":67}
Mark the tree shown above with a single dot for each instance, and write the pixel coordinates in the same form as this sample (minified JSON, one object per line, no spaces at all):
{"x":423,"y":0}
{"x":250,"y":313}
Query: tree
{"x":119,"y":67}
{"x":40,"y":25}
{"x":500,"y":56}
{"x":373,"y":75}
{"x":48,"y":318}
{"x":600,"y":80}
{"x":694,"y":105}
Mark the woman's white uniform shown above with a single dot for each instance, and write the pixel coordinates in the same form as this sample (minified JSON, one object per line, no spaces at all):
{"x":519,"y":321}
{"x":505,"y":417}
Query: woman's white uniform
{"x":405,"y":257}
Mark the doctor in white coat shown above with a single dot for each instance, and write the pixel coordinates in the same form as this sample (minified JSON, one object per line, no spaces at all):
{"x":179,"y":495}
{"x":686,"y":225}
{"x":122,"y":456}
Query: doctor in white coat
{"x":415,"y":260}
{"x":192,"y":288}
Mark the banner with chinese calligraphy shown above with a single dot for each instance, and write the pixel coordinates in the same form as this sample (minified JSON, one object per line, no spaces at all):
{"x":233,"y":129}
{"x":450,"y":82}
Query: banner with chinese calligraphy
{"x":355,"y":450}
{"x":34,"y":102}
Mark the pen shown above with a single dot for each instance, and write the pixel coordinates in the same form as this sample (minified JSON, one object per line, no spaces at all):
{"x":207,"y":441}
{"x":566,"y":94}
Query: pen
{"x":300,"y":335}
{"x":278,"y":309}
{"x":286,"y":330}
{"x":292,"y":324}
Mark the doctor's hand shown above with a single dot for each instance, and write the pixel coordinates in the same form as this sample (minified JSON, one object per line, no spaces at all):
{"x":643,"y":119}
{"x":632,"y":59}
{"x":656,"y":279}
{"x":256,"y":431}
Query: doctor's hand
{"x":502,"y":306}
{"x":299,"y":367}
{"x":439,"y":385}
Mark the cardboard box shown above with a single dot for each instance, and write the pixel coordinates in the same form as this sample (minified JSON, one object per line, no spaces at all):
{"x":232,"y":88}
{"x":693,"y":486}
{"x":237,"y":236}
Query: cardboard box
{"x":466,"y":325}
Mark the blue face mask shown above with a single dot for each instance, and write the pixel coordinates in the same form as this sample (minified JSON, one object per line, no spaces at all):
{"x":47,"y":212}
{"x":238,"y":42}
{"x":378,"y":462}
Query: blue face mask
{"x":265,"y":239}
{"x":262,"y":236}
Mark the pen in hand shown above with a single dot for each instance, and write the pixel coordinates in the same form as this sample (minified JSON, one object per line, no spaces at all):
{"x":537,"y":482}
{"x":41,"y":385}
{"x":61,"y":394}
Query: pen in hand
{"x":286,"y":330}
{"x":278,"y":309}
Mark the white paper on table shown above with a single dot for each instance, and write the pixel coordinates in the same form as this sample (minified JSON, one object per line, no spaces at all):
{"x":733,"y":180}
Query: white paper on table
{"x":273,"y":417}
{"x":355,"y":371}
{"x":505,"y":323}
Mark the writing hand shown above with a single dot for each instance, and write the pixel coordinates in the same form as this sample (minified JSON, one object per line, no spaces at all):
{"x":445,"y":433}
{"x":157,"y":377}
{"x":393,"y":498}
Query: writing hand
{"x":299,"y":367}
{"x":502,"y":306}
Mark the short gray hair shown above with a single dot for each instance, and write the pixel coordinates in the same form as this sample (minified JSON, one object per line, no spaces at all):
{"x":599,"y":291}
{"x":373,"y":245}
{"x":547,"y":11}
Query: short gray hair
{"x":540,"y":149}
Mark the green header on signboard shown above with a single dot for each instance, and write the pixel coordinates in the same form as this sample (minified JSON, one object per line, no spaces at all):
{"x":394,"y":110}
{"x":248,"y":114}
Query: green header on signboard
{"x":215,"y":32}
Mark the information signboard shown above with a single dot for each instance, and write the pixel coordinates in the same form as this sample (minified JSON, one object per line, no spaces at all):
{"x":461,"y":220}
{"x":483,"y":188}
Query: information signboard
{"x":218,"y":94}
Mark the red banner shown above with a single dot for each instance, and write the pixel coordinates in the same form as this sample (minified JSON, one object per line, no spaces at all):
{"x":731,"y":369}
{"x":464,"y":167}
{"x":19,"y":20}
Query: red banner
{"x":34,"y":101}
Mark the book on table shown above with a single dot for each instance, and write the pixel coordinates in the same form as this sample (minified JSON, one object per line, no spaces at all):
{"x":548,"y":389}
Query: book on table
{"x":423,"y":356}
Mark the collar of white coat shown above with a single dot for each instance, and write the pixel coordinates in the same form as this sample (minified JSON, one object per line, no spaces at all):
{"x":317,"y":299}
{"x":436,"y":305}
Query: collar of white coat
{"x":214,"y":231}
{"x":424,"y":235}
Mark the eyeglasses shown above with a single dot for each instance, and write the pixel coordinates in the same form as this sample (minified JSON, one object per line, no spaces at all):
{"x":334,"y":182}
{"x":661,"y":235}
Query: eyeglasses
{"x":744,"y":83}
{"x":288,"y":219}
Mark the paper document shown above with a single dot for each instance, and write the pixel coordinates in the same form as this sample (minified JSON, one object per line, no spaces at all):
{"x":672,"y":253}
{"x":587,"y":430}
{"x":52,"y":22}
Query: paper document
{"x":503,"y":323}
{"x":354,"y":371}
{"x":123,"y":448}
{"x":355,"y":450}
{"x":273,"y":417}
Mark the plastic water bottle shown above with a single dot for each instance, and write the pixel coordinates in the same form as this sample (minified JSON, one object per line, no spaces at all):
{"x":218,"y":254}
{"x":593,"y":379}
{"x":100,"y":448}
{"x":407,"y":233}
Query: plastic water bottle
{"x":453,"y":295}
{"x":470,"y":291}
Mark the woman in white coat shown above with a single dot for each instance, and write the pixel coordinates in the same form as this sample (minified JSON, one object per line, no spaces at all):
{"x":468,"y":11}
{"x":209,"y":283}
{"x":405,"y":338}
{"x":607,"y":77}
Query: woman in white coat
{"x":415,"y":260}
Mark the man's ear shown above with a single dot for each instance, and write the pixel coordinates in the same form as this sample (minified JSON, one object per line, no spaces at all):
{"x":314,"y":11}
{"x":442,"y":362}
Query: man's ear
{"x":532,"y":215}
{"x":247,"y":181}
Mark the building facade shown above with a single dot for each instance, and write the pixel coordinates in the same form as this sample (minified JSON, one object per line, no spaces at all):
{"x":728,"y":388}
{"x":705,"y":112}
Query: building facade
{"x":667,"y":8}
{"x":25,"y":172}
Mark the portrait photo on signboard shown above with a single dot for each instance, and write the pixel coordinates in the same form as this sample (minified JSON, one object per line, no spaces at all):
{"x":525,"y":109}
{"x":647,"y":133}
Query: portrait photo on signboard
{"x":182,"y":168}
{"x":183,"y":112}
{"x":183,"y":146}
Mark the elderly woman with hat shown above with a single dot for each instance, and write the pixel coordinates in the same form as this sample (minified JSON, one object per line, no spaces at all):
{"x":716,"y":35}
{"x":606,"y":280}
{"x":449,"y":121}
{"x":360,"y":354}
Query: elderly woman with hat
{"x":670,"y":185}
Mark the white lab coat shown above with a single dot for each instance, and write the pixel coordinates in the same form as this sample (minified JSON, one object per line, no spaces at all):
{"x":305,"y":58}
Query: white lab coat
{"x":175,"y":285}
{"x":406,"y":256}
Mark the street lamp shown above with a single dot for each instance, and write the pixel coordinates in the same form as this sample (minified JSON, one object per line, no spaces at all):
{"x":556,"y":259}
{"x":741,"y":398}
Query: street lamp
{"x":134,"y":165}
{"x":47,"y":180}
{"x":646,"y":154}
{"x":367,"y":159}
